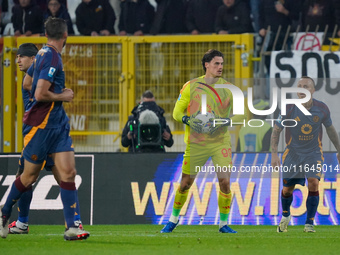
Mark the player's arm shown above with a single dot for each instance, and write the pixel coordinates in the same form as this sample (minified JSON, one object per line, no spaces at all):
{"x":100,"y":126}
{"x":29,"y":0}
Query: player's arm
{"x":182,"y":103}
{"x":333,"y":136}
{"x":43,"y":94}
{"x":274,"y":142}
{"x":179,"y":113}
{"x":27,"y":83}
{"x":28,"y":79}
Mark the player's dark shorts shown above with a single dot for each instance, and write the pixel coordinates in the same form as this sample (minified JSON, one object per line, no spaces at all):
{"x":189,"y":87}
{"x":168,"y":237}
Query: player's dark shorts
{"x":39,"y":143}
{"x":297,"y":168}
{"x":48,"y":164}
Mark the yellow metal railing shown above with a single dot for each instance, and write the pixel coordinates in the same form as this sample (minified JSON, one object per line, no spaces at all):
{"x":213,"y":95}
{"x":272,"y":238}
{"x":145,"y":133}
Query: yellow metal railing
{"x":109,"y":74}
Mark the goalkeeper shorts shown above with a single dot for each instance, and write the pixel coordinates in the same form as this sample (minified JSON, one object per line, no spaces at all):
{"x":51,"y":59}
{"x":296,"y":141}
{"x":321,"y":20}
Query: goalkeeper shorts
{"x":196,"y":156}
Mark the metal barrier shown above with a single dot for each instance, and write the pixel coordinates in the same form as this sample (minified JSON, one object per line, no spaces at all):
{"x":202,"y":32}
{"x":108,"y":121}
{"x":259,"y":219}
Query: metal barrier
{"x":286,"y":40}
{"x":109,"y":74}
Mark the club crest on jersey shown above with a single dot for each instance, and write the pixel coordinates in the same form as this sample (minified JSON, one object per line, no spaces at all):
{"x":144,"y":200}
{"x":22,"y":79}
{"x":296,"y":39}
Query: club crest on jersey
{"x":51,"y":72}
{"x":316,"y":118}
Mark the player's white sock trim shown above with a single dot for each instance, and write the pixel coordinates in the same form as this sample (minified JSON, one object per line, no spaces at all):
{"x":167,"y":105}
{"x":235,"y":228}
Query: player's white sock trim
{"x":21,"y":225}
{"x":223,"y":223}
{"x":173,"y":218}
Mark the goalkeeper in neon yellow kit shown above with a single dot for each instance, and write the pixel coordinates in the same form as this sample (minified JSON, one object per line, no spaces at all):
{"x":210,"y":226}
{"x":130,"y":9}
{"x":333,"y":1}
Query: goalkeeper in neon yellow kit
{"x":205,"y":140}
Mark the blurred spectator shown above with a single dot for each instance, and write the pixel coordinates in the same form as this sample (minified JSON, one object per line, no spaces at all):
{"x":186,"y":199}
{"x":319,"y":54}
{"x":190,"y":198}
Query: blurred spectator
{"x":255,"y":139}
{"x":337,"y":14}
{"x":201,"y":16}
{"x":255,"y":6}
{"x":233,"y":18}
{"x":318,"y":13}
{"x":58,"y":10}
{"x":169,"y":17}
{"x":136,"y":17}
{"x":277,"y":14}
{"x":95,"y":17}
{"x":27,"y":18}
{"x":3,"y":8}
{"x":43,"y":3}
{"x":149,"y":139}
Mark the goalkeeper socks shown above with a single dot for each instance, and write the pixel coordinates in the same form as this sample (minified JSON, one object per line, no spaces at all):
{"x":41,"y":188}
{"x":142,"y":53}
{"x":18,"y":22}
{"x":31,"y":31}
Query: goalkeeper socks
{"x":286,"y":201}
{"x":224,"y":201}
{"x":24,"y":205}
{"x":180,"y":199}
{"x":68,"y":197}
{"x":312,"y":205}
{"x":14,"y":195}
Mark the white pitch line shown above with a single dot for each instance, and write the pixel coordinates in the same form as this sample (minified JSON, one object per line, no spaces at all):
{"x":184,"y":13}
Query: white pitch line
{"x":92,"y":182}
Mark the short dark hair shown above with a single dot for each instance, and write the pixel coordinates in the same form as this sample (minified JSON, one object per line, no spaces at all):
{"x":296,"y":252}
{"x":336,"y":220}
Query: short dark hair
{"x":307,"y":77}
{"x":27,"y":49}
{"x":209,"y":55}
{"x":147,"y":94}
{"x":55,"y":28}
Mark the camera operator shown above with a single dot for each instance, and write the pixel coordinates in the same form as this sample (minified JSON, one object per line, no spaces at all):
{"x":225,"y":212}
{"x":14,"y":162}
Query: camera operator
{"x":140,"y":115}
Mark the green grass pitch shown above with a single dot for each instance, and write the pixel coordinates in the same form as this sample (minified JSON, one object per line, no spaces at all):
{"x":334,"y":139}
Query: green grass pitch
{"x":146,"y":239}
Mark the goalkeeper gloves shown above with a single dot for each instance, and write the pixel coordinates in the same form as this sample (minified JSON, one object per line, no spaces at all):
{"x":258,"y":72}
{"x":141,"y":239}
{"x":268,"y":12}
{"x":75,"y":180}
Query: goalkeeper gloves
{"x":194,"y":124}
{"x":218,"y":123}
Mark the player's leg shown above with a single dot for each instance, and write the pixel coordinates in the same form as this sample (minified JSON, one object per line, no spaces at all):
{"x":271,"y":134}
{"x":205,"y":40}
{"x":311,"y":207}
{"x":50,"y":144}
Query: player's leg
{"x":65,"y":166}
{"x":222,"y":159}
{"x":179,"y":201}
{"x":50,"y":166}
{"x":188,"y":177}
{"x":181,"y":196}
{"x":20,"y":185}
{"x":20,"y":226}
{"x":291,"y":176}
{"x":312,"y":203}
{"x":224,"y":203}
{"x":286,"y":201}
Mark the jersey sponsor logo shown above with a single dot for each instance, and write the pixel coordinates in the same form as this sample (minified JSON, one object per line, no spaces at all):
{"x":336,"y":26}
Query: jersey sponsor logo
{"x":306,"y":129}
{"x":316,"y":118}
{"x":51,"y":72}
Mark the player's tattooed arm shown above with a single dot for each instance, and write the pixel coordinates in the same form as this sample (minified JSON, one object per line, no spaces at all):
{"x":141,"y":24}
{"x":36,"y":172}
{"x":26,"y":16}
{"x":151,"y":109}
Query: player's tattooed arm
{"x":333,"y":136}
{"x":275,"y":138}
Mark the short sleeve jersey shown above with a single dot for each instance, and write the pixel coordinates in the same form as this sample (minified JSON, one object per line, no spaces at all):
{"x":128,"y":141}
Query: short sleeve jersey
{"x":48,"y":66}
{"x":306,"y":137}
